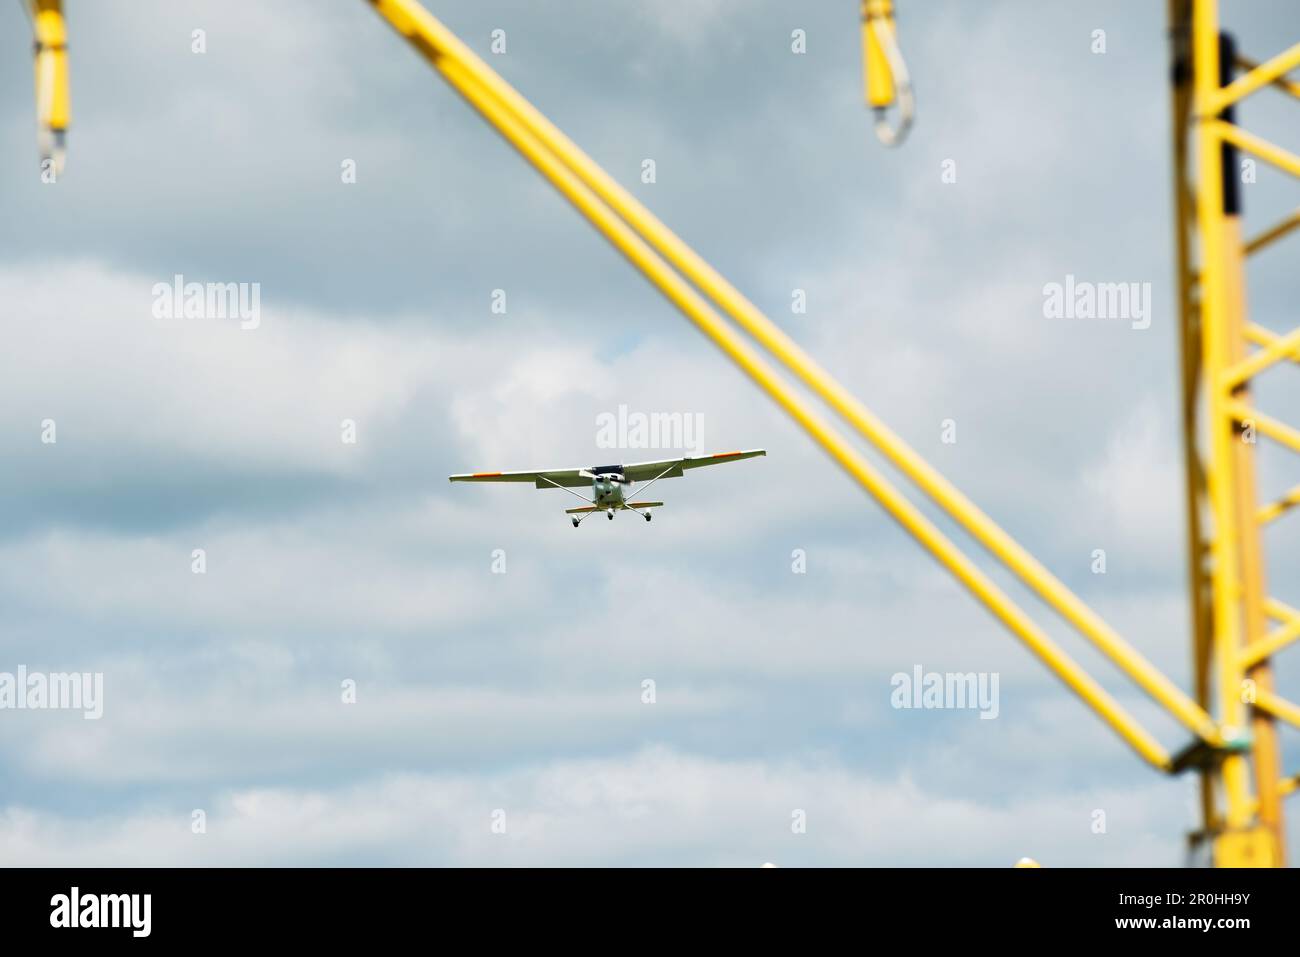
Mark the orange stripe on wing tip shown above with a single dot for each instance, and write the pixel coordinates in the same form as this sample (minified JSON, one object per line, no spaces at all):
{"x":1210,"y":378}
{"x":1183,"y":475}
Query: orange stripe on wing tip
{"x":484,"y":474}
{"x":725,"y":455}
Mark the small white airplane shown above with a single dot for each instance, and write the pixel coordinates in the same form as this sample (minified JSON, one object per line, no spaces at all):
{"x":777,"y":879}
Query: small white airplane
{"x":608,"y":481}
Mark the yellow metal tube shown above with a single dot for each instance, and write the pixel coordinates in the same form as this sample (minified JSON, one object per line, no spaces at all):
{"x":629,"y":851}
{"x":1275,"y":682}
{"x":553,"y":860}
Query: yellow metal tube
{"x":1282,"y":83}
{"x":1280,"y":611}
{"x":1265,"y":337}
{"x":885,"y":73}
{"x":878,"y":79}
{"x":1267,"y":425}
{"x":426,"y":35}
{"x":1214,"y":232}
{"x":440,"y":45}
{"x":1273,"y":233}
{"x":1282,"y":348}
{"x":1189,"y":349}
{"x":1288,"y":620}
{"x":1275,"y":510}
{"x":1269,"y":152}
{"x":1260,"y":76}
{"x":53,"y":104}
{"x":1278,"y":707}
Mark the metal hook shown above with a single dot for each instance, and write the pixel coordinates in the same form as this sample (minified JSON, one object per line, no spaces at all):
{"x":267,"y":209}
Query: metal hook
{"x":52,"y":110}
{"x":887,"y":78}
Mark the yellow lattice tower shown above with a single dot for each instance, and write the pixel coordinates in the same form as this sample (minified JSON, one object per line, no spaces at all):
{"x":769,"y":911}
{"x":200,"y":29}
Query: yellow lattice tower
{"x":1237,"y":627}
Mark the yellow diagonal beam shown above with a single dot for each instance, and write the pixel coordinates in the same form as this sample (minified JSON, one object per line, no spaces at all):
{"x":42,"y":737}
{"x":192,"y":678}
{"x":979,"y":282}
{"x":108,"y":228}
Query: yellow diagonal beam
{"x":1270,"y":152}
{"x":1275,"y":510}
{"x":766,"y":377}
{"x":1279,"y":610}
{"x":1287,"y":632}
{"x":1282,"y":83}
{"x":1267,"y":72}
{"x":1281,"y":348}
{"x":1278,"y":707}
{"x":1273,"y":233}
{"x":483,"y":89}
{"x":1278,"y":431}
{"x":447,"y":52}
{"x":1266,"y":337}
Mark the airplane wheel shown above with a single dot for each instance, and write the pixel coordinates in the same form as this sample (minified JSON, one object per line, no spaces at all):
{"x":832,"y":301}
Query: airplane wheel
{"x":610,"y":516}
{"x":575,"y":523}
{"x":647,"y":516}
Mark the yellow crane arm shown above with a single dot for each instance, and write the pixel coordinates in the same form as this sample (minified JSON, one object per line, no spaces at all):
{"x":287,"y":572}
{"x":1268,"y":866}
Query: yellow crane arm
{"x":652,"y":247}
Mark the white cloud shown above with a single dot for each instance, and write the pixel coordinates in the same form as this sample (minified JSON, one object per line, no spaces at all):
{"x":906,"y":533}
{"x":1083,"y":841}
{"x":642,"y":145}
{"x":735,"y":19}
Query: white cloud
{"x":656,"y":807}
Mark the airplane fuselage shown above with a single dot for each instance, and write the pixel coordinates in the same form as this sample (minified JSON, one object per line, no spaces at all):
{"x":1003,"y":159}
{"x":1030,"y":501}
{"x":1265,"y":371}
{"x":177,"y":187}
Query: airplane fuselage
{"x":607,"y":489}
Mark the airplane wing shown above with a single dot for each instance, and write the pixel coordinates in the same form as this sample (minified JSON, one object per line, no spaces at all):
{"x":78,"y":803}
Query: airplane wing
{"x":672,"y":468}
{"x":568,"y":478}
{"x":637,"y":471}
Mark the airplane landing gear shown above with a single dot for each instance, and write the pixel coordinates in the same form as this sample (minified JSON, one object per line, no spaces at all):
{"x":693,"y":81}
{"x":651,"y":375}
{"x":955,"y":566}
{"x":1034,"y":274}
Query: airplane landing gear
{"x":610,"y":515}
{"x":575,"y":523}
{"x":647,"y":516}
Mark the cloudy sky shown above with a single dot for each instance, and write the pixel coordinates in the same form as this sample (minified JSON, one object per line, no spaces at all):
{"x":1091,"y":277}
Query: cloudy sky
{"x":499,"y":657}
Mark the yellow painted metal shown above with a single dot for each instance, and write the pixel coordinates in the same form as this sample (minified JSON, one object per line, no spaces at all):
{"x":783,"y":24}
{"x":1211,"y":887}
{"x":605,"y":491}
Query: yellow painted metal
{"x":1275,"y":429}
{"x":635,"y":232}
{"x":1241,"y":789}
{"x":878,"y":79}
{"x":1255,"y":78}
{"x":441,"y":47}
{"x":1280,"y":611}
{"x":1189,"y":344}
{"x":1275,"y":510}
{"x":1274,"y":641}
{"x":1281,"y":348}
{"x":885,"y":75}
{"x":1274,"y":233}
{"x":1214,"y":233}
{"x":1282,"y":83}
{"x":1265,"y":337}
{"x":1266,"y":763}
{"x":1246,"y":847}
{"x":1283,"y":159}
{"x":467,"y":77}
{"x":1278,"y":707}
{"x":53,"y":109}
